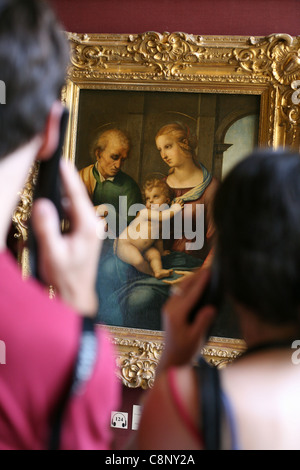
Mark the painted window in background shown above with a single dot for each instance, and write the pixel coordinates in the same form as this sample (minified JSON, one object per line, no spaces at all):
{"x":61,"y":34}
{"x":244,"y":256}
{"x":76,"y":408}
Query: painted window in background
{"x":242,"y":135}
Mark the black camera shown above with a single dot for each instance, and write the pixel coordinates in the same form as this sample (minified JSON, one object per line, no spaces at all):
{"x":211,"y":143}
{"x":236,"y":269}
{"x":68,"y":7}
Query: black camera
{"x":212,"y":294}
{"x":48,"y":185}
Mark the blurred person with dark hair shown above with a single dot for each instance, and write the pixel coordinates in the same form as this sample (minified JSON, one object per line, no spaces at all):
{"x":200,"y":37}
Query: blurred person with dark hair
{"x":43,"y":336}
{"x":252,"y":403}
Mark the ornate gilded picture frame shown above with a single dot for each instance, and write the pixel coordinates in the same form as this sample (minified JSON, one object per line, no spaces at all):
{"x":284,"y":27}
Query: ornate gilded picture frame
{"x":219,"y":85}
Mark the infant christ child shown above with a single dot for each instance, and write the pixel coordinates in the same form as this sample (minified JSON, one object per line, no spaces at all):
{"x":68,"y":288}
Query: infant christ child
{"x":140,"y":244}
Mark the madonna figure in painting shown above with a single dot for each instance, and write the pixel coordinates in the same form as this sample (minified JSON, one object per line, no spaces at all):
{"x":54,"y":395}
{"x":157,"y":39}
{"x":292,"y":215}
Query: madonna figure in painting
{"x":191,"y":183}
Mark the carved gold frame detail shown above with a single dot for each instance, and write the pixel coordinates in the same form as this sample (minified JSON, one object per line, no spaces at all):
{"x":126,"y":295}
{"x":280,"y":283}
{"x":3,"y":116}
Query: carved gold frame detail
{"x":264,"y":66}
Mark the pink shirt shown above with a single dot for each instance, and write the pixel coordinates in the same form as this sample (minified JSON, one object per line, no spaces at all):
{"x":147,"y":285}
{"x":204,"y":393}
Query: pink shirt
{"x":41,"y":338}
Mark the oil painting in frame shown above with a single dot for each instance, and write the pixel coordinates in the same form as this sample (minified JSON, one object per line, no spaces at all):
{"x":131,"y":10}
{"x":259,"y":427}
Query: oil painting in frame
{"x":234,"y":93}
{"x":130,"y":298}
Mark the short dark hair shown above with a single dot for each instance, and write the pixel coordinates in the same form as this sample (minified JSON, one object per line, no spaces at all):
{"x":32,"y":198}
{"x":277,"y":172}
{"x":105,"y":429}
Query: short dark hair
{"x":33,"y":59}
{"x":257,"y":216}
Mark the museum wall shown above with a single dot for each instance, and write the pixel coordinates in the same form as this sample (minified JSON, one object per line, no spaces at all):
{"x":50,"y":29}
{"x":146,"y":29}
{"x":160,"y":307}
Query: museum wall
{"x":204,"y":17}
{"x":200,"y":17}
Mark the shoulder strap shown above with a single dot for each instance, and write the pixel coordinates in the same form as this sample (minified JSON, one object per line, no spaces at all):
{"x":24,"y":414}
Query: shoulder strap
{"x":83,"y":368}
{"x":210,"y":392}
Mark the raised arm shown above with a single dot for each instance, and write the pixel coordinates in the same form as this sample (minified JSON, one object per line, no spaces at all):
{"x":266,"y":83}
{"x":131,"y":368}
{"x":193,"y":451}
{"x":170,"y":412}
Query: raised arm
{"x":161,"y":215}
{"x":161,"y":425}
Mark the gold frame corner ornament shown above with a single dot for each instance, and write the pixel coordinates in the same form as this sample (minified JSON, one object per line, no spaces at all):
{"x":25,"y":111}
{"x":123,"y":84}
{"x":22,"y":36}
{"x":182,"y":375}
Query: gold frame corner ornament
{"x":265,"y":66}
{"x":139,"y":351}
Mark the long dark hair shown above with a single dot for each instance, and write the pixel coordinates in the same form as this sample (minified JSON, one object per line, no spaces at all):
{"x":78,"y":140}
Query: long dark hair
{"x":257,"y":216}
